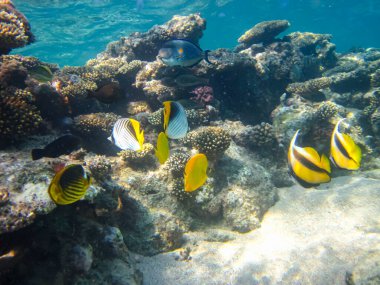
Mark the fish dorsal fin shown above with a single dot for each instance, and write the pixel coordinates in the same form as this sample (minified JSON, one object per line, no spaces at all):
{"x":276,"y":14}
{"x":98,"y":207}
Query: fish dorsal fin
{"x":162,"y":151}
{"x":313,"y":154}
{"x":325,"y":163}
{"x":352,"y":148}
{"x":167,"y":110}
{"x":139,"y":133}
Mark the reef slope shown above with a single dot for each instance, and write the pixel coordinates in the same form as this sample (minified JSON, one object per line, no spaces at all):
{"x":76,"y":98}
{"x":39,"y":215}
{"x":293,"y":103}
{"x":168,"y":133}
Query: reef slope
{"x":309,"y":237}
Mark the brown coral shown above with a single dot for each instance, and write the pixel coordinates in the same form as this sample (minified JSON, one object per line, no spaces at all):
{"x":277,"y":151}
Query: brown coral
{"x":212,"y":141}
{"x":18,"y":116}
{"x":309,"y":89}
{"x":95,"y":125}
{"x":14,"y":28}
{"x":264,"y":32}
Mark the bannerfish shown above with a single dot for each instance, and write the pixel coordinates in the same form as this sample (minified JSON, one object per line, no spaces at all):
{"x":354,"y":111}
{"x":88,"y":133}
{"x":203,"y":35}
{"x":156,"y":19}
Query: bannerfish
{"x":108,"y":93}
{"x":345,"y":153}
{"x":195,"y":172}
{"x":63,"y":145}
{"x":126,"y":134}
{"x":162,"y":151}
{"x":306,"y":166}
{"x":69,"y":184}
{"x":175,"y":120}
{"x":182,"y":53}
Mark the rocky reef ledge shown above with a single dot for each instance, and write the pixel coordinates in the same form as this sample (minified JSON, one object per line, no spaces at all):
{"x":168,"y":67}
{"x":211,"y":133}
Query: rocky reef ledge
{"x":326,"y":236}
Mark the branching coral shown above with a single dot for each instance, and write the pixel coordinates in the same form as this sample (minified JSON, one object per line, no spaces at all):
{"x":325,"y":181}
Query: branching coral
{"x":100,"y":167}
{"x":261,"y":135}
{"x":12,"y":72}
{"x":326,"y":110}
{"x":14,"y":28}
{"x":309,"y":89}
{"x":18,"y":116}
{"x":176,"y":164}
{"x":142,"y":157}
{"x":95,"y":125}
{"x":212,"y":141}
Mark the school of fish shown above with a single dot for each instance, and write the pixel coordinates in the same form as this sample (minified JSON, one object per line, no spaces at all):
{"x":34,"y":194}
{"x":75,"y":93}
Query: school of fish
{"x":70,"y":183}
{"x":311,"y":169}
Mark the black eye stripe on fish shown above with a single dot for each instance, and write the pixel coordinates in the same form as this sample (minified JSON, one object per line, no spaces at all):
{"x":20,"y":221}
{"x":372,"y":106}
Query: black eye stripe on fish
{"x":310,"y":165}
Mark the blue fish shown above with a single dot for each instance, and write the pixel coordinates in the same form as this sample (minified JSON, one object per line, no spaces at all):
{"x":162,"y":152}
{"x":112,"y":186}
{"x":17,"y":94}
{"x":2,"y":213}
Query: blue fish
{"x":182,"y":53}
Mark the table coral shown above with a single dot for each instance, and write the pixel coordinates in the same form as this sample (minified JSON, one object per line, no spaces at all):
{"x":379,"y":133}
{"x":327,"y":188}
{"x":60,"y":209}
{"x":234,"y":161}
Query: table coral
{"x":264,"y":32}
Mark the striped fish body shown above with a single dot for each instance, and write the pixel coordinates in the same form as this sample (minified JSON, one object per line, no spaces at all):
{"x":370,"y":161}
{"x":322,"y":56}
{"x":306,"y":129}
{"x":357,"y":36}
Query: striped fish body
{"x":195,"y":172}
{"x":175,"y":120}
{"x":306,"y":166}
{"x":344,"y":152}
{"x":126,"y":134}
{"x":69,"y":185}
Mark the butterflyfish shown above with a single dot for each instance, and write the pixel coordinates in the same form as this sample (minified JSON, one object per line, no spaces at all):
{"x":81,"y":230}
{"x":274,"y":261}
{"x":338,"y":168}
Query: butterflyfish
{"x":63,"y":145}
{"x":162,"y":151}
{"x":195,"y":172}
{"x":69,"y":184}
{"x":307,"y":166}
{"x":345,"y":153}
{"x":126,"y":134}
{"x":175,"y":120}
{"x":182,"y":53}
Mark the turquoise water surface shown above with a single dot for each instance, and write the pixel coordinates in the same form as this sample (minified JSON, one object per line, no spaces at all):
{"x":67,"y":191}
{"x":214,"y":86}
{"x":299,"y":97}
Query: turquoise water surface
{"x":71,"y":32}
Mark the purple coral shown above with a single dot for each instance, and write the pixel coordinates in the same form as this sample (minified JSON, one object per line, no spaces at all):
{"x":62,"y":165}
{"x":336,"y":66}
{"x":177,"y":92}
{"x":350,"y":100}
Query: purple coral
{"x":204,"y":95}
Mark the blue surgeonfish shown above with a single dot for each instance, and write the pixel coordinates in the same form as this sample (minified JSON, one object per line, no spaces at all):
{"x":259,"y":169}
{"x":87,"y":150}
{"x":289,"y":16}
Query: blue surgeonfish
{"x":344,"y":152}
{"x":126,"y":134}
{"x":195,"y":172}
{"x":306,"y":166}
{"x":69,"y":184}
{"x":175,"y":120}
{"x":181,"y":53}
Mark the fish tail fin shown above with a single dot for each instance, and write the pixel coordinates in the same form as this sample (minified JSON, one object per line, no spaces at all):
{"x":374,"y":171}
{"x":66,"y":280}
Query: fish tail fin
{"x":206,"y":52}
{"x":37,"y":153}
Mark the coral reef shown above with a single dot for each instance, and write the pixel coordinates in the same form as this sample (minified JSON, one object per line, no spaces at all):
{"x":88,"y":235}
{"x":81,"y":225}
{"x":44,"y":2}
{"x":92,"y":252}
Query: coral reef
{"x":100,"y":167}
{"x":176,"y":164}
{"x":14,"y":28}
{"x":95,"y":125}
{"x":145,"y":46}
{"x":264,"y":32}
{"x":19,"y":118}
{"x":142,"y":158}
{"x":310,"y":89}
{"x":212,"y":141}
{"x":242,"y":110}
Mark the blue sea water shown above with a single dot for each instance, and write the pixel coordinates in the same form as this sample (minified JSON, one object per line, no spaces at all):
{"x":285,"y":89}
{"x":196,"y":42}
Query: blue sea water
{"x":71,"y":32}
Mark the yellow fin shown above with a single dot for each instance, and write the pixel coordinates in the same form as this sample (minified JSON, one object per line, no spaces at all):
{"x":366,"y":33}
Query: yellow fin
{"x":325,"y":163}
{"x":195,"y":172}
{"x":162,"y":151}
{"x":167,"y":110}
{"x":139,"y":133}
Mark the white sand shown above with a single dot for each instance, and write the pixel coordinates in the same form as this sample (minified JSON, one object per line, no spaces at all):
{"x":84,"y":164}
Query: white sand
{"x":308,"y":237}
